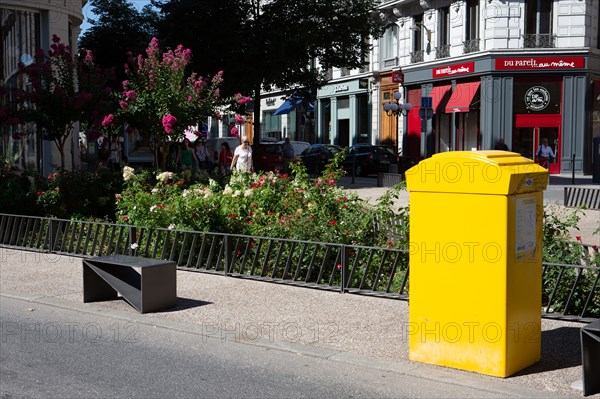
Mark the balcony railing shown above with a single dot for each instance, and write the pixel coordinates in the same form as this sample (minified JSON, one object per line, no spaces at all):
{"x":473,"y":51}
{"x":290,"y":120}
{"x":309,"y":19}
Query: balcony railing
{"x":543,"y":40}
{"x":416,"y":56}
{"x":443,"y":51}
{"x":470,"y":46}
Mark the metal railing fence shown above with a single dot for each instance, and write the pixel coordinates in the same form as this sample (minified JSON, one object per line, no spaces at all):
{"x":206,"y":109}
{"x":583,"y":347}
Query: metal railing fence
{"x":569,"y":291}
{"x":345,"y":268}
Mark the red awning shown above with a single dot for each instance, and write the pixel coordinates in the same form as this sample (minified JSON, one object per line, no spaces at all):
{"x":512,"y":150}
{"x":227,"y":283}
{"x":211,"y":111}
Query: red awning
{"x":461,"y":98}
{"x":437,"y":96}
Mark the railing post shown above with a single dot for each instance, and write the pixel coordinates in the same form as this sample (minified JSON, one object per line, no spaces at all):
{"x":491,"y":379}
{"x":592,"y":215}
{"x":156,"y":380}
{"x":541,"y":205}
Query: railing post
{"x":227,"y":250}
{"x":131,"y":240}
{"x":52,"y":234}
{"x":344,"y":261}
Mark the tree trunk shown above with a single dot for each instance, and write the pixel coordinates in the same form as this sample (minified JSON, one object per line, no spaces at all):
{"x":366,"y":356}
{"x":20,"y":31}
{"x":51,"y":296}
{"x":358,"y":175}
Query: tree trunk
{"x":256,"y":99}
{"x":60,"y":144}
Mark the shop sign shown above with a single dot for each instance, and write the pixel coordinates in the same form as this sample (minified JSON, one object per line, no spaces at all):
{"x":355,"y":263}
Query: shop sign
{"x":270,"y":102}
{"x":537,"y":98}
{"x":541,"y":63}
{"x":397,"y":77}
{"x":456,"y":69}
{"x":340,"y":88}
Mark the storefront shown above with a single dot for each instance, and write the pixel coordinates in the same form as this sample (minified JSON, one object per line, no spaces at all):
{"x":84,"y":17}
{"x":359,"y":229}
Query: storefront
{"x":344,"y":113}
{"x":523,"y":100}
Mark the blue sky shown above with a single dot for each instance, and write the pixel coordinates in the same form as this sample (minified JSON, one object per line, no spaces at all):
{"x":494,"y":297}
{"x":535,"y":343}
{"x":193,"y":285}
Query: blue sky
{"x":87,"y":11}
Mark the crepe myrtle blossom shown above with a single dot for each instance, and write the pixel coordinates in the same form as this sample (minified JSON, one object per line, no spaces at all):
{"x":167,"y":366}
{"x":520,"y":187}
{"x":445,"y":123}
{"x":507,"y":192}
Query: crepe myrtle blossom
{"x":239,"y":119}
{"x":108,"y":120}
{"x":168,"y":121}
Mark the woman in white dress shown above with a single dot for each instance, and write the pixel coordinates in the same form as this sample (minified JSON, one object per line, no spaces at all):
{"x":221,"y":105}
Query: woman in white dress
{"x":242,"y":157}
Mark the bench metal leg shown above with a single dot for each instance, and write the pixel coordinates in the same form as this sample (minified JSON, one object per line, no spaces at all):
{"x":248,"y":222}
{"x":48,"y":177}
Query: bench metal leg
{"x":94,"y":286}
{"x":590,"y":353}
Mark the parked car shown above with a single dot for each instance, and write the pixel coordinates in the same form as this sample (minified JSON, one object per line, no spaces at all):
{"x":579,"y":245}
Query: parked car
{"x":316,"y":156}
{"x":213,"y":147}
{"x":267,"y":156}
{"x":298,"y":146}
{"x":367,"y":158}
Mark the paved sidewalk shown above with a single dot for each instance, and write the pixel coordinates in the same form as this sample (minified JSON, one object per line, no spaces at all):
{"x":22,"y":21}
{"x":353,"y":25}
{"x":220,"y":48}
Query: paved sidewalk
{"x":366,"y":187}
{"x":371,"y":332}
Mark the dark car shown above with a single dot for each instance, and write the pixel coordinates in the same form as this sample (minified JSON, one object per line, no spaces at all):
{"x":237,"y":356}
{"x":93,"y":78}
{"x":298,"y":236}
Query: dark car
{"x":366,"y":159}
{"x":316,"y":156}
{"x":267,"y":156}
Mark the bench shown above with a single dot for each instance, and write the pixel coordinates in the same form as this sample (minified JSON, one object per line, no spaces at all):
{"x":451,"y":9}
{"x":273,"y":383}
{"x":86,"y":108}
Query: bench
{"x":146,"y":284}
{"x":590,"y":353}
{"x":588,"y":197}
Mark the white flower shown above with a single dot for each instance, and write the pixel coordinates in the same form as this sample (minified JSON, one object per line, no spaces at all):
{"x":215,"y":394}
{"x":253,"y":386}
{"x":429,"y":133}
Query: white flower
{"x":227,"y":191}
{"x":153,"y":208}
{"x":154,"y":190}
{"x":171,"y":226}
{"x":134,"y":245}
{"x":128,"y":173}
{"x":164,"y":176}
{"x":248,"y":193}
{"x":237,"y":193}
{"x":185,"y":193}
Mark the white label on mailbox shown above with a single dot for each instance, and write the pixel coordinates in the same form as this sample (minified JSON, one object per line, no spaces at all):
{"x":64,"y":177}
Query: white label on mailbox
{"x":525,"y":225}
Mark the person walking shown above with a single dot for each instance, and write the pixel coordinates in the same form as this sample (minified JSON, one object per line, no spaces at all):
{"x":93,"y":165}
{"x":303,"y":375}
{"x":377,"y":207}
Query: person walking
{"x":544,"y":153}
{"x":288,"y":154}
{"x":201,"y":154}
{"x":242,"y":157}
{"x":500,"y":145}
{"x":225,"y":158}
{"x":185,"y":159}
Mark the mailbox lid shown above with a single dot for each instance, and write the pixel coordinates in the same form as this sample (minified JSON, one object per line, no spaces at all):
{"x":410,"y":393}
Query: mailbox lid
{"x":477,"y":172}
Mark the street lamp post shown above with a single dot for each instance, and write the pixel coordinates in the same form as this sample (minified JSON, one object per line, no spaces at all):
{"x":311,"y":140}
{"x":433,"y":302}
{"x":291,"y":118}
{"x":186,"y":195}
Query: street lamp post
{"x":396,"y":109}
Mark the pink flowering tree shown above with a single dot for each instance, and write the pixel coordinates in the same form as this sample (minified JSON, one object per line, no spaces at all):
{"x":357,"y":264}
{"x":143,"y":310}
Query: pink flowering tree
{"x":162,"y":100}
{"x":64,"y":90}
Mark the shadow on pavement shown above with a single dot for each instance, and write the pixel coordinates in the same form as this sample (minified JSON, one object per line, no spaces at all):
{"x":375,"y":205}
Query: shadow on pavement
{"x":186,"y":303}
{"x":561,"y":349}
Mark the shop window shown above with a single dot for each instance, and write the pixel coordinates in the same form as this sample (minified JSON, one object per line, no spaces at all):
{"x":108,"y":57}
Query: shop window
{"x":271,"y":123}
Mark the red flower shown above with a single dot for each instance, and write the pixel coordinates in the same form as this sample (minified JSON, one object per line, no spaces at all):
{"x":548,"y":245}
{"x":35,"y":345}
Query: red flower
{"x":578,"y":238}
{"x":339,"y":266}
{"x":39,"y":193}
{"x":125,"y":217}
{"x":332,"y":222}
{"x":238,"y":252}
{"x":594,"y":247}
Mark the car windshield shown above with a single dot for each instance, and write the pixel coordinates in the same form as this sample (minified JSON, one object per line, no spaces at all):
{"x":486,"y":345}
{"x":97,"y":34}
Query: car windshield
{"x":384,"y":151}
{"x":332,"y":148}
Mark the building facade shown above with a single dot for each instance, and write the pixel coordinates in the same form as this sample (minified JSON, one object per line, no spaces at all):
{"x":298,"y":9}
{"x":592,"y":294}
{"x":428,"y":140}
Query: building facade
{"x":475,"y":71}
{"x":25,"y":27}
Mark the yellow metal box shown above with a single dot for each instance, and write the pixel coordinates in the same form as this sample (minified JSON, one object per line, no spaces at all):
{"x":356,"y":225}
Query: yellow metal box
{"x":475,"y":261}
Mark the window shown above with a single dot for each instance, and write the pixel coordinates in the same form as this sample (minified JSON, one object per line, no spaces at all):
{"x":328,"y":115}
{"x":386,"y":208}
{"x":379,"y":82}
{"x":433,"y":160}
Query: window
{"x":443,"y":47}
{"x":472,"y":20}
{"x":417,"y":33}
{"x":389,"y":46}
{"x":271,"y":123}
{"x":538,"y":24}
{"x":471,"y":42}
{"x":538,"y":17}
{"x":443,"y":25}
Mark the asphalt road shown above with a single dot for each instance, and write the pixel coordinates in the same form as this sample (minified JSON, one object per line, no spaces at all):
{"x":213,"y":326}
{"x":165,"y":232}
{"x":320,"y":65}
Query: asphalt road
{"x":49,"y":351}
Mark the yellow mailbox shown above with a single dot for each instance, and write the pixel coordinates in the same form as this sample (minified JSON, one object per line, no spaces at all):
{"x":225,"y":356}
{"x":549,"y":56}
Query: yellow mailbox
{"x":475,"y":261}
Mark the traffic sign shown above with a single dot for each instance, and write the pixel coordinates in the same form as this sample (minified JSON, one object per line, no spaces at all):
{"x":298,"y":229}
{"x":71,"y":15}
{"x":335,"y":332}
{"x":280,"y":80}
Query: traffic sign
{"x":426,"y":102}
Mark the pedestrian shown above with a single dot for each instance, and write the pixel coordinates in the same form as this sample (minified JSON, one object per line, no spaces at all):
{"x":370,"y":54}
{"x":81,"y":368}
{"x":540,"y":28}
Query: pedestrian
{"x":185,"y":158}
{"x":201,"y":154}
{"x":242,"y":157}
{"x":225,"y":158}
{"x":114,"y":153}
{"x":544,"y":153}
{"x":500,"y":145}
{"x":288,"y":154}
